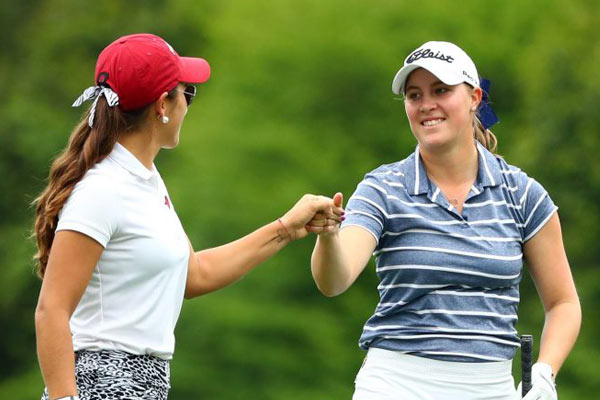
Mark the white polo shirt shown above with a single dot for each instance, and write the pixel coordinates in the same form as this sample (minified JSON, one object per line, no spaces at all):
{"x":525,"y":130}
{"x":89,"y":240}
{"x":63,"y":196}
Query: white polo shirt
{"x":135,"y":294}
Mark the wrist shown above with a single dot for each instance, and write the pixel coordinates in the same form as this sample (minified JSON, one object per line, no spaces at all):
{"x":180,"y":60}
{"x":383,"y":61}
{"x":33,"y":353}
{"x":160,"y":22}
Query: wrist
{"x":328,"y":236}
{"x":542,"y":377}
{"x":283,"y":230}
{"x":543,"y":369}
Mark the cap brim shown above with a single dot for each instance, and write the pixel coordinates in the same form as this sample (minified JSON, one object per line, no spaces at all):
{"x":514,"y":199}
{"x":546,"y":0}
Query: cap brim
{"x":194,"y":70}
{"x":400,"y":78}
{"x":442,"y":74}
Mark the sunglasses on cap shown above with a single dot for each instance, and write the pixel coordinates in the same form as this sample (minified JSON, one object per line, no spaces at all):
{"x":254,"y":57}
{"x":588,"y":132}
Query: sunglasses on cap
{"x":188,"y":92}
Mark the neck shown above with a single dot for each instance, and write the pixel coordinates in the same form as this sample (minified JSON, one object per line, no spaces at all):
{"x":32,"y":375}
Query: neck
{"x":142,"y":145}
{"x":455,"y":166}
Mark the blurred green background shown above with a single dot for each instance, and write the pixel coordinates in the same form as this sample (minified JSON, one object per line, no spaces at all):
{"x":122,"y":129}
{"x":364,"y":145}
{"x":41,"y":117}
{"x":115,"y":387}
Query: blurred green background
{"x":299,"y":102}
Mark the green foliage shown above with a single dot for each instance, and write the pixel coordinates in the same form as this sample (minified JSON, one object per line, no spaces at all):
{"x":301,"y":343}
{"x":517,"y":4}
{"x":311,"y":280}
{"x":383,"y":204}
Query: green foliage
{"x":299,"y":101}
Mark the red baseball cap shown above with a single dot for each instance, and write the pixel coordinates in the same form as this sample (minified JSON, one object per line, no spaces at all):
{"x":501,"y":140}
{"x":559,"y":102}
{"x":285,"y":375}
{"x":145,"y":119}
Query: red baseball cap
{"x":141,"y":67}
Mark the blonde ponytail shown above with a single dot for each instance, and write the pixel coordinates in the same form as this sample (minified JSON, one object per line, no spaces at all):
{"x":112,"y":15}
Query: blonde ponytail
{"x":484,"y":136}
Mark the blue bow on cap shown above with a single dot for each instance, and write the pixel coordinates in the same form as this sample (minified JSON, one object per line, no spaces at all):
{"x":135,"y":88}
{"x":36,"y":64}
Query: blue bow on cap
{"x":486,"y":114}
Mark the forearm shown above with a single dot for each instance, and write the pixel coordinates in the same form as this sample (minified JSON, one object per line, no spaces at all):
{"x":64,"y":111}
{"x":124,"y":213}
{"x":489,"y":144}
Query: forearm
{"x":223,"y":265}
{"x":561,"y":328}
{"x":329,"y":268}
{"x":55,"y":353}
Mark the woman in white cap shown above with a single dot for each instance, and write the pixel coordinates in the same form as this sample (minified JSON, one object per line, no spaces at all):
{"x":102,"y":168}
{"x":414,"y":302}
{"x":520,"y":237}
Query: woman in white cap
{"x":114,"y":258}
{"x":450,"y":227}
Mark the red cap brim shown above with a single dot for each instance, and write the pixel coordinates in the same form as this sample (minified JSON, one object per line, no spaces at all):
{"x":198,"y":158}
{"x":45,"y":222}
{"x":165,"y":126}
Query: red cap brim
{"x":194,"y":70}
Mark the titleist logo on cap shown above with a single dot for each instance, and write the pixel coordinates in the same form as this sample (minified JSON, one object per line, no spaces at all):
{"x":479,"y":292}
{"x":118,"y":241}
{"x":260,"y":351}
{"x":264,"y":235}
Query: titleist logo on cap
{"x":427,"y":53}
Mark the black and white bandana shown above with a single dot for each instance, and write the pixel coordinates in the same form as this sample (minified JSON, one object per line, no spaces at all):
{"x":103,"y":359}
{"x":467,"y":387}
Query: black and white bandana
{"x":94,"y":92}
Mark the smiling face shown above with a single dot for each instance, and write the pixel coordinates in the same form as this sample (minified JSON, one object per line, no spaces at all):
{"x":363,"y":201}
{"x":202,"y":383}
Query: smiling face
{"x":440,"y":115}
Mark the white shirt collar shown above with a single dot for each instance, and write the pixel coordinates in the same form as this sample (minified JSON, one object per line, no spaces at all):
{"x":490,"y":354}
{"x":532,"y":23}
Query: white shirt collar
{"x":127,"y":160}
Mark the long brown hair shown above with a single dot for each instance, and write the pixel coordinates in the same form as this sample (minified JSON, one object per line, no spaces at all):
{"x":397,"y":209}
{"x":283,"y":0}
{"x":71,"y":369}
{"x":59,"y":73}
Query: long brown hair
{"x":87,"y":146}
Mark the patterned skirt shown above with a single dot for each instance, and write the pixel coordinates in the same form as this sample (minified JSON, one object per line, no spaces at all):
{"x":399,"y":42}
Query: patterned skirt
{"x":111,"y":375}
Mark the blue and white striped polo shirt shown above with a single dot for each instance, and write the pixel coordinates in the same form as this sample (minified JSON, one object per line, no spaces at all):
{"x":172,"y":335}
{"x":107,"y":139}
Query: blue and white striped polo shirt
{"x":449,"y":285}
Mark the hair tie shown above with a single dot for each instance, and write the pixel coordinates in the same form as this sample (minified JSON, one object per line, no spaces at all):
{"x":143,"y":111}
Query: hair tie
{"x":285,"y":229}
{"x":94,"y":92}
{"x":485,"y":113}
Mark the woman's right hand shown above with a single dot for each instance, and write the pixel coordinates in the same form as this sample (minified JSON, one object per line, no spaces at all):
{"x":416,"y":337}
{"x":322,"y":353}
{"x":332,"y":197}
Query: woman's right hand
{"x":321,"y":224}
{"x":312,"y":213}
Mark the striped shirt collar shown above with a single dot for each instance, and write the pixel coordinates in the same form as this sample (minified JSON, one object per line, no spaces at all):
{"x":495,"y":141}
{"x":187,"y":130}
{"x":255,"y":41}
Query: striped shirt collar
{"x":417,"y":182}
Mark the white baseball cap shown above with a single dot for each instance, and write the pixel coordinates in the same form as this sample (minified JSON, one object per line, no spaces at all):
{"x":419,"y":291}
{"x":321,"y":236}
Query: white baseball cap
{"x":448,"y":62}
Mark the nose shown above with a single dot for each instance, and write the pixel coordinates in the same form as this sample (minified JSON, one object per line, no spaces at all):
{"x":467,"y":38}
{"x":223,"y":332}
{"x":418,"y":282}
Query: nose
{"x":427,"y":104}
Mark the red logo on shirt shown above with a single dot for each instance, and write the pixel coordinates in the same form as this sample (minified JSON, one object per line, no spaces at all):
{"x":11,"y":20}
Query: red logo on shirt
{"x":167,"y":202}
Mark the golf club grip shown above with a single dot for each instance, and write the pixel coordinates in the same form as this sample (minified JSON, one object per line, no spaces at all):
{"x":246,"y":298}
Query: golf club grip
{"x":526,"y":350}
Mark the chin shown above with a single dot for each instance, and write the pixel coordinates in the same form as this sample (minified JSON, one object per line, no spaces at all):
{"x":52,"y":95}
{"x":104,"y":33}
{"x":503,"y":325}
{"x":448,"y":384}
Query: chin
{"x":170,"y":145}
{"x":433,"y":139}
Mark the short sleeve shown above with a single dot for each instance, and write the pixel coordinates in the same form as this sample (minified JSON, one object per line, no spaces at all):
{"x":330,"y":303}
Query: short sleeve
{"x":91,"y":209}
{"x":367,"y":207}
{"x":536,"y":205}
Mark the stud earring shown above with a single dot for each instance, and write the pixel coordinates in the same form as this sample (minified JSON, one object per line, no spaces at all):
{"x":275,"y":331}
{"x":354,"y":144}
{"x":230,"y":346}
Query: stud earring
{"x":165,"y":119}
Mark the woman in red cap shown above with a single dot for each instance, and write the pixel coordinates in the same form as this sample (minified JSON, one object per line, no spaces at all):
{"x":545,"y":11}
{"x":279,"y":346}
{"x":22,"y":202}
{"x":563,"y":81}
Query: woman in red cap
{"x":115,"y":261}
{"x":450,"y":227}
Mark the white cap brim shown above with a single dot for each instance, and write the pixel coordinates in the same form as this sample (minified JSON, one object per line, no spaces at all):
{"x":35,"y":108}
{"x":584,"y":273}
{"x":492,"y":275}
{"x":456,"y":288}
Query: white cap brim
{"x":400,"y":78}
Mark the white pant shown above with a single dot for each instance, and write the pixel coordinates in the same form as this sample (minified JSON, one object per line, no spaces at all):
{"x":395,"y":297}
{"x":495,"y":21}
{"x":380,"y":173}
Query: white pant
{"x":391,"y":375}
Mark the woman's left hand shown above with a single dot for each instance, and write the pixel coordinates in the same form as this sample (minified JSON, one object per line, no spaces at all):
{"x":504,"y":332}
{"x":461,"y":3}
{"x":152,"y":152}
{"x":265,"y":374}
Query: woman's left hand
{"x":543,"y":387}
{"x":312,"y":214}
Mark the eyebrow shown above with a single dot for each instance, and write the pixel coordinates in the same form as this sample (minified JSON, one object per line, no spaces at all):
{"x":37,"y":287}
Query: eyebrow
{"x":438,"y":82}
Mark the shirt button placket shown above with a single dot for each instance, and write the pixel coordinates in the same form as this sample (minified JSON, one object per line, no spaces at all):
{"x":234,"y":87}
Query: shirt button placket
{"x":465,"y":223}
